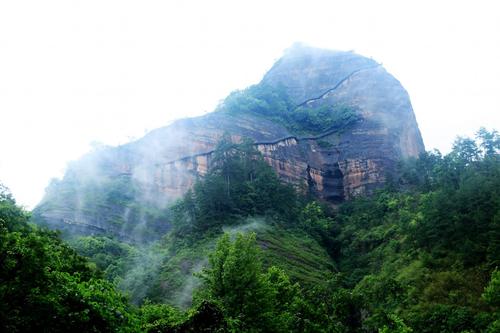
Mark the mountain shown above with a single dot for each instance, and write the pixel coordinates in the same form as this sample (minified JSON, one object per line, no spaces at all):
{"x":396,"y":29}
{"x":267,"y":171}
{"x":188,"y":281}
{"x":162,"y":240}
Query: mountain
{"x":333,"y":123}
{"x":276,"y":224}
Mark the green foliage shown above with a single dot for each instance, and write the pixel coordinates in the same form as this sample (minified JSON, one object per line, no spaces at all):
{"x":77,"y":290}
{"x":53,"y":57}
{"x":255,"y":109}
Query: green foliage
{"x":489,"y":142}
{"x":252,"y":300}
{"x":398,"y":326}
{"x":159,"y":317}
{"x":329,"y":307}
{"x":492,"y":296}
{"x":421,"y":251}
{"x":260,"y":99}
{"x":321,"y":119}
{"x":111,"y":256}
{"x":239,"y":184}
{"x":133,"y":268}
{"x":492,"y":291}
{"x":324,"y":144}
{"x":297,"y":252}
{"x":274,"y":104}
{"x":46,"y":286}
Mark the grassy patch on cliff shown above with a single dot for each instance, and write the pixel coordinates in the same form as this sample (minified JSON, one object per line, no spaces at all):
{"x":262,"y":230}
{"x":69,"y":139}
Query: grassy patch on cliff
{"x":300,"y":255}
{"x":274,"y":104}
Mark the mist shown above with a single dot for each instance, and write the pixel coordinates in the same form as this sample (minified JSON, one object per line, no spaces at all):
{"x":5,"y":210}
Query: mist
{"x":150,"y":259}
{"x":74,"y":73}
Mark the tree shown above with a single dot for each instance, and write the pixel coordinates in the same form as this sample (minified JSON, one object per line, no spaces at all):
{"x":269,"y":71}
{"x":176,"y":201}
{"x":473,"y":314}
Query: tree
{"x":489,"y":141}
{"x":465,"y":150}
{"x":252,"y":300}
{"x":238,"y":184}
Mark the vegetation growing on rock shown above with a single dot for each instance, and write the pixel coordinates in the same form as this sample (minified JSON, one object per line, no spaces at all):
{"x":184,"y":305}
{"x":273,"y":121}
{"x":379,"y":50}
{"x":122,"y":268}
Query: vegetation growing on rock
{"x":274,"y":104}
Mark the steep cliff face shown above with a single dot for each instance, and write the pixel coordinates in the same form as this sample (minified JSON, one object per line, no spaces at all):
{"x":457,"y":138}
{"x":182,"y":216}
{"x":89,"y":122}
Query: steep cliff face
{"x":335,"y":164}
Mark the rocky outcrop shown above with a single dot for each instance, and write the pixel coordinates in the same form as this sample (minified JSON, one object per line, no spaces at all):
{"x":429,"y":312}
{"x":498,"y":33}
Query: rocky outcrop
{"x":335,"y":165}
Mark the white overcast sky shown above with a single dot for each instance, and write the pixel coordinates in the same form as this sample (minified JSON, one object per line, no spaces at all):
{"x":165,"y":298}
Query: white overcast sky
{"x":74,"y":72}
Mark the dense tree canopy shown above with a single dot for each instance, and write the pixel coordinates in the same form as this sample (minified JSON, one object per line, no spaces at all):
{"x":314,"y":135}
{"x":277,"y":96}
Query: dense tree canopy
{"x":424,"y":249}
{"x":421,"y":255}
{"x":239,"y":184}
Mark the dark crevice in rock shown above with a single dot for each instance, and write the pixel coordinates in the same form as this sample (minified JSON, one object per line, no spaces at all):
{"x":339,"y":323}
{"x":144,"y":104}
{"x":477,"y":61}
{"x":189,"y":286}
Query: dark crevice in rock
{"x":311,"y":184}
{"x":333,"y":184}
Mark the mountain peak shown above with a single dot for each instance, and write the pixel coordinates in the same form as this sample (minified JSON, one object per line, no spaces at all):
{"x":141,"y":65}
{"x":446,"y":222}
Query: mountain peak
{"x":306,"y":72}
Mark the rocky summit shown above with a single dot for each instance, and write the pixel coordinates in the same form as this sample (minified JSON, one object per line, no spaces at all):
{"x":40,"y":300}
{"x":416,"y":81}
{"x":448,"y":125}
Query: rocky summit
{"x":334,"y":123}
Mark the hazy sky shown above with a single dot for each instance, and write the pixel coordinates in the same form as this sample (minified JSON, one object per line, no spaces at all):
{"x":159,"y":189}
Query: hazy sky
{"x":73,"y":72}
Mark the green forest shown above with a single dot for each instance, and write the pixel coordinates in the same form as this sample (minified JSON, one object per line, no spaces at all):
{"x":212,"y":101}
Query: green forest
{"x":248,"y":253}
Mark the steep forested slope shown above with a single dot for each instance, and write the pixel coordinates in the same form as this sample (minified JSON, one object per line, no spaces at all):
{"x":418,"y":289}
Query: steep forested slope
{"x":425,"y":249}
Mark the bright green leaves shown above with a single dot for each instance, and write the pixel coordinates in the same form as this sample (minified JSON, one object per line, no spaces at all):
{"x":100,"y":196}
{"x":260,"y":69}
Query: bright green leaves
{"x":251,"y":298}
{"x":492,"y":291}
{"x":235,"y":279}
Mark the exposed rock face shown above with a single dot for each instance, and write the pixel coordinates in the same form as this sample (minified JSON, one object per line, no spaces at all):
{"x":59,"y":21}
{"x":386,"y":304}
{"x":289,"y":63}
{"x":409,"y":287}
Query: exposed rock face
{"x":336,"y":165}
